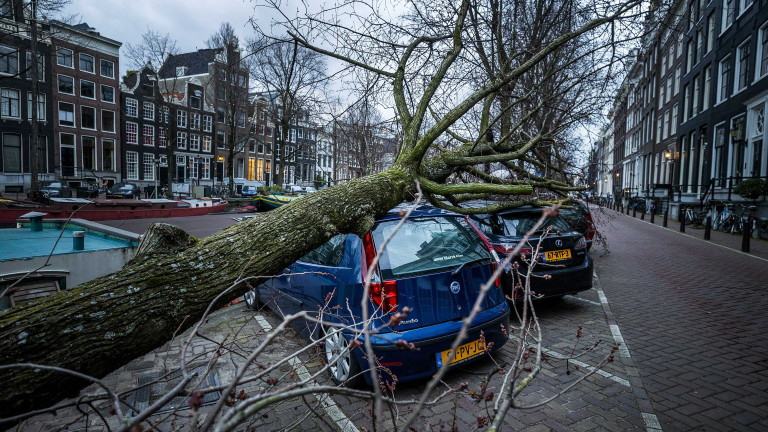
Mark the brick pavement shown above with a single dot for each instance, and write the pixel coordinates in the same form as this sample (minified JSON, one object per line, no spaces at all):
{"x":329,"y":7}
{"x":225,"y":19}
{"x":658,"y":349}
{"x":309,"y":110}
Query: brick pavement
{"x":692,"y":314}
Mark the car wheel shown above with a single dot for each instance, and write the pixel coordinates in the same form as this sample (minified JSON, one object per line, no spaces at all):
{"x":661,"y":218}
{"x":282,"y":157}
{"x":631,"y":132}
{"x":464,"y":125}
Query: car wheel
{"x":342,"y":363}
{"x":250,"y":300}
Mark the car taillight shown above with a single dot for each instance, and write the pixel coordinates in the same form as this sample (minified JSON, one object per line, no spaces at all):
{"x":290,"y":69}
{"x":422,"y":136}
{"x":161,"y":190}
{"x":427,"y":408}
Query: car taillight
{"x":384,"y":295}
{"x":495,"y":258}
{"x":581,"y":244}
{"x":590,"y":234}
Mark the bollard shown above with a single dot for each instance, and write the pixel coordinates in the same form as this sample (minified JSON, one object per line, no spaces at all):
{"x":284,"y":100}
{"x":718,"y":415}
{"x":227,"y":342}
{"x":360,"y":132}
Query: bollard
{"x":708,"y":228}
{"x":642,"y":215}
{"x":78,"y":240}
{"x":666,"y":215}
{"x":627,"y":210}
{"x":746,"y":235}
{"x":682,"y":222}
{"x":634,"y":212}
{"x":652,"y":216}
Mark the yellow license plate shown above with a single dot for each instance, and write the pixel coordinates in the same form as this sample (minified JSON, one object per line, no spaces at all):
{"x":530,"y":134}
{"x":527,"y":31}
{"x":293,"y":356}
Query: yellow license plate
{"x":463,"y":352}
{"x":557,"y":255}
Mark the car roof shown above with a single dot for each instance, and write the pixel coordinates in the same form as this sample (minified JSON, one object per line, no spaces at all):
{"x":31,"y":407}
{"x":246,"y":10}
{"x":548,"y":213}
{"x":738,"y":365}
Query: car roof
{"x":522,"y":209}
{"x":420,"y":211}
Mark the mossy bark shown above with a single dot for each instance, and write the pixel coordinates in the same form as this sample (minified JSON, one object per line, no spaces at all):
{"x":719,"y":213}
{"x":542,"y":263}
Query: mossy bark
{"x":105,"y":323}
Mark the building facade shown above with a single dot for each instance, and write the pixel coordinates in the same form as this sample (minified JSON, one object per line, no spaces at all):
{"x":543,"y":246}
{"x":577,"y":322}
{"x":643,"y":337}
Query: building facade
{"x":17,"y":110}
{"x":86,"y":96}
{"x":696,"y":97}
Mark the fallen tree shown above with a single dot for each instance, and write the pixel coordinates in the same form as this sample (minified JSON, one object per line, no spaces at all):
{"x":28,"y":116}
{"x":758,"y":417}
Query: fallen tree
{"x":100,"y":325}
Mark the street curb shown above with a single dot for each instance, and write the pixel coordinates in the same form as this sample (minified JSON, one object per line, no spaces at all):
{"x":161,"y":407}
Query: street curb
{"x":638,"y":389}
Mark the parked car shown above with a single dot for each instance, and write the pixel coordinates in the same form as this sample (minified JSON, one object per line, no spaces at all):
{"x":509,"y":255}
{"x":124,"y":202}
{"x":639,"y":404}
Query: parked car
{"x":434,"y":265}
{"x":249,"y":191}
{"x":577,"y":214}
{"x":309,"y":189}
{"x":562,"y":254}
{"x":55,"y":189}
{"x":294,"y":189}
{"x":124,"y":190}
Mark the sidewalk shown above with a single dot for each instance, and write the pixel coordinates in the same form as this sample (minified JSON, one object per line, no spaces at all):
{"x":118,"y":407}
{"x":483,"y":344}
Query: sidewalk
{"x":757,"y":247}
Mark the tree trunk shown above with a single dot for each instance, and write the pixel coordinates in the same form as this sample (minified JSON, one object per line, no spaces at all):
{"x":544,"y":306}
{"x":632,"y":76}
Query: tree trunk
{"x":106,"y":322}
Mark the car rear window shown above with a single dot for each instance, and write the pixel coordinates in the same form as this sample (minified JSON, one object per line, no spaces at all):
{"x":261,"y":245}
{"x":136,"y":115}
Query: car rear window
{"x":517,"y":224}
{"x":427,"y":245}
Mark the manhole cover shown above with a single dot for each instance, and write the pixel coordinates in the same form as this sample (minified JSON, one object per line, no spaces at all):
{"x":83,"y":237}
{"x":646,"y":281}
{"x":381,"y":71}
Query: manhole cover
{"x":153,"y":388}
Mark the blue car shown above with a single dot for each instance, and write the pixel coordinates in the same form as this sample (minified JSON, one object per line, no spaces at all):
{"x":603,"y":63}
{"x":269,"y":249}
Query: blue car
{"x":432,"y":267}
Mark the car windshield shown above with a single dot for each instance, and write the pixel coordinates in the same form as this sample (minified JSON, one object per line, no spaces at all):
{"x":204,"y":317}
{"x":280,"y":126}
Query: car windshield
{"x":54,"y":185}
{"x":519,"y":223}
{"x":427,"y":245}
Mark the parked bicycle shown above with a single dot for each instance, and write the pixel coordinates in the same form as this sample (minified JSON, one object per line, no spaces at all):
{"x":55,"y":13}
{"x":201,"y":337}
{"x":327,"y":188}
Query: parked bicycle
{"x":724,"y":219}
{"x":744,"y":220}
{"x":695,"y":217}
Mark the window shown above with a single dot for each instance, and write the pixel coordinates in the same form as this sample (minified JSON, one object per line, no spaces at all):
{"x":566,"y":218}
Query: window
{"x":40,"y":66}
{"x":689,"y":60}
{"x":722,"y":80}
{"x":301,"y":133}
{"x":696,"y":88}
{"x":107,"y":69}
{"x":161,"y":141}
{"x":181,"y":140}
{"x":66,"y":114}
{"x":674,"y":120}
{"x":11,"y":153}
{"x":194,"y":142}
{"x":195,"y":101}
{"x":742,"y":67}
{"x":220,"y":140}
{"x":88,"y":118}
{"x":670,"y":78}
{"x":107,"y":121}
{"x":107,"y":94}
{"x":699,"y":46}
{"x":292,"y":135}
{"x":241,"y":119}
{"x":87,"y":89}
{"x":729,"y":13}
{"x":220,"y":115}
{"x":148,"y":135}
{"x":108,"y":155}
{"x":132,"y":165}
{"x":40,"y":106}
{"x":762,"y":52}
{"x":261,"y":115}
{"x":131,"y":107}
{"x":194,"y":121}
{"x":686,"y":103}
{"x":166,"y":114}
{"x":64,"y":57}
{"x":207,"y":144}
{"x":89,"y":152}
{"x":131,"y":133}
{"x":86,"y":63}
{"x":149,"y":166}
{"x":181,"y":118}
{"x":10,"y":103}
{"x":149,"y":110}
{"x":261,"y":129}
{"x":207,"y":123}
{"x":269,"y":131}
{"x":710,"y":31}
{"x":666,"y":126}
{"x":707,"y":87}
{"x":206,"y":168}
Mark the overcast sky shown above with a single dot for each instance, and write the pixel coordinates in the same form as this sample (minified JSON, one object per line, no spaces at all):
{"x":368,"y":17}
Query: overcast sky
{"x":190,"y":22}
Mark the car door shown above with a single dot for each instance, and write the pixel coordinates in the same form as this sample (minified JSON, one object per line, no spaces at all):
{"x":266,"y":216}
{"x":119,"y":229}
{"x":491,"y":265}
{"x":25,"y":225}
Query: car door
{"x":328,"y":278}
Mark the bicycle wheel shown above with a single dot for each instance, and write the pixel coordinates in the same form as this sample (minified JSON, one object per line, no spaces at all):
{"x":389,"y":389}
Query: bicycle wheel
{"x":727,"y":224}
{"x":716,"y":222}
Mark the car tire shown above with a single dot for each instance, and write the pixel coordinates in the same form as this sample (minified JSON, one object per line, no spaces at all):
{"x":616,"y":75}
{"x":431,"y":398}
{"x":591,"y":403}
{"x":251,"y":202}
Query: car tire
{"x":251,"y":300}
{"x":343,"y":368}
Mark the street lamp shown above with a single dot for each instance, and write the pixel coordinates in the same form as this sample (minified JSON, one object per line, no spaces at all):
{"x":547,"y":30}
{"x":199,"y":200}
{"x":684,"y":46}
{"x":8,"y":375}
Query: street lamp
{"x":156,"y":160}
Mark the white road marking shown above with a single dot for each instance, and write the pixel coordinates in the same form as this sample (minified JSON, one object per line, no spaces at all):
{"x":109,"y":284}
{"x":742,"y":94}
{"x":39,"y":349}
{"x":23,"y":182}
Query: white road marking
{"x":623,"y":350}
{"x":327,"y":402}
{"x":584,"y":300}
{"x":651,"y":422}
{"x":581,"y":364}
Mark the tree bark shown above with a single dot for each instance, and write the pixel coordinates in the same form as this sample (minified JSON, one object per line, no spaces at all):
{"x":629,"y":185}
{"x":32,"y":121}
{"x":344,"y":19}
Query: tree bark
{"x":104,"y":323}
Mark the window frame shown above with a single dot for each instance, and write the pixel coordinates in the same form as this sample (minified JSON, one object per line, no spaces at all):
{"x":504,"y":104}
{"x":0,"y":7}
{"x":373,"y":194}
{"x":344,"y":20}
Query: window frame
{"x":74,"y":117}
{"x":101,"y":68}
{"x":131,"y":133}
{"x":71,"y":57}
{"x":80,"y":63}
{"x":9,"y":103}
{"x":82,"y":123}
{"x":101,"y":93}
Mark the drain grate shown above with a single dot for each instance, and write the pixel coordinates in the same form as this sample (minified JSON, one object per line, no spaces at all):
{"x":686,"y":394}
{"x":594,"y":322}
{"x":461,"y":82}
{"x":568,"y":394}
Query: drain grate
{"x":145,"y":396}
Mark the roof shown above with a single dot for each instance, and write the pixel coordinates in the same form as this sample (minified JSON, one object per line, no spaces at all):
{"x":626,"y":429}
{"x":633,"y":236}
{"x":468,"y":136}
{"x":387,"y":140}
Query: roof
{"x":419,"y":211}
{"x":196,"y":62}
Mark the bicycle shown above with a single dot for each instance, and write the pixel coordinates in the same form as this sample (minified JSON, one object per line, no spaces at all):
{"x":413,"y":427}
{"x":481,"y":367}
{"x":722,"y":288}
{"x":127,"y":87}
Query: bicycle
{"x":724,"y":219}
{"x":743,"y":219}
{"x":693,"y":217}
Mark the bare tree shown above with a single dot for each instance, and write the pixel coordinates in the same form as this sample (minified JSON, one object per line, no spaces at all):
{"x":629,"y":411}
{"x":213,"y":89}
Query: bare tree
{"x":291,"y":78}
{"x":420,"y":63}
{"x":151,"y":51}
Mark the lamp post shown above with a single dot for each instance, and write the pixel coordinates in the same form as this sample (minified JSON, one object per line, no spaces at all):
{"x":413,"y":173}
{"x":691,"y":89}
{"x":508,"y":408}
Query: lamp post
{"x":156,"y":160}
